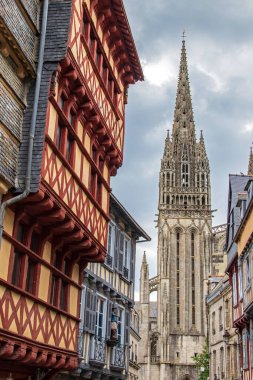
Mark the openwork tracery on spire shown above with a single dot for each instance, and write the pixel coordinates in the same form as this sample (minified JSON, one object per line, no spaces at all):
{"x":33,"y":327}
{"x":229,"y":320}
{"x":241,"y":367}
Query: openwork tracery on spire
{"x":184,"y":177}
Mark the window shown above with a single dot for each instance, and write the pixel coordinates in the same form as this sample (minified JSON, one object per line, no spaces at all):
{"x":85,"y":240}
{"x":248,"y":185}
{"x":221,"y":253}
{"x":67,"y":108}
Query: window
{"x":66,"y":267}
{"x":220,"y":319}
{"x":30,"y":276}
{"x":92,"y":183}
{"x":234,"y":280}
{"x":247,"y":260}
{"x":213,"y":323}
{"x":121,"y":326}
{"x":63,"y":295}
{"x":100,"y":318}
{"x":110,"y":244}
{"x":53,"y":295}
{"x":16,"y":271}
{"x":185,"y":175}
{"x":193,"y":277}
{"x":58,"y":137}
{"x":222,"y":361}
{"x":18,"y":257}
{"x":240,"y":281}
{"x":178,"y":277}
{"x":127,"y":253}
{"x":227,"y":316}
{"x":153,"y":348}
{"x":245,"y":348}
{"x":69,"y":148}
{"x":34,"y":245}
{"x":99,"y":191}
{"x":126,"y":250}
{"x":214,"y":362}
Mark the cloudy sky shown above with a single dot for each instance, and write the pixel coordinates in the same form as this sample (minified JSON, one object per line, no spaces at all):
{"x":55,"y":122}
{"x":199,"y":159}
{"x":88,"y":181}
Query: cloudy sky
{"x":219,"y":47}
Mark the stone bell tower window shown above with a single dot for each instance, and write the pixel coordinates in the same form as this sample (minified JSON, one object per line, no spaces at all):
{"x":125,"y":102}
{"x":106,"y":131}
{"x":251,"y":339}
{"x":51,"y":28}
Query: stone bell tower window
{"x":185,"y":175}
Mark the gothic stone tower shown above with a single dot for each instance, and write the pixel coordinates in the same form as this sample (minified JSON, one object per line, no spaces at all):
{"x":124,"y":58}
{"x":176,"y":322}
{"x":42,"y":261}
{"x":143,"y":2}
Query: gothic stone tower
{"x":184,"y":249}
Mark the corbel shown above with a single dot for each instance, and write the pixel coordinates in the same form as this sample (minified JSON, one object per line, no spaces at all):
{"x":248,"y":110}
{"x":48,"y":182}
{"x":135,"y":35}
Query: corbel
{"x":71,"y":74}
{"x":79,"y":90}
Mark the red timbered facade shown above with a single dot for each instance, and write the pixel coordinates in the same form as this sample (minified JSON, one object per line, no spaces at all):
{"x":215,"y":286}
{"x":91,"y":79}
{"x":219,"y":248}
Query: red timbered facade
{"x":51,"y":235}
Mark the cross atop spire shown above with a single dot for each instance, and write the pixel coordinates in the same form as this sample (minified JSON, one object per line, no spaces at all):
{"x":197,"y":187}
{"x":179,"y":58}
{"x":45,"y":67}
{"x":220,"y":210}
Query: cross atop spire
{"x":184,"y":35}
{"x":250,"y":166}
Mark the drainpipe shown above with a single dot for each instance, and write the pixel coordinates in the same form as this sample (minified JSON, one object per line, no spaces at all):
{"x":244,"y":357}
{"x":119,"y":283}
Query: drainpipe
{"x":33,"y":122}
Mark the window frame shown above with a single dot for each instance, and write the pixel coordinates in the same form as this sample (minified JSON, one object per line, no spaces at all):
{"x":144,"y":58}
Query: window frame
{"x":104,"y":316}
{"x":111,"y":240}
{"x":234,"y":289}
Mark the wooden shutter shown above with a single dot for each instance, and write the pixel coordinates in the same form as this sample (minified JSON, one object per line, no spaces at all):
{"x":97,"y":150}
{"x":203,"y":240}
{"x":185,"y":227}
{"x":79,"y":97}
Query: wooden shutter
{"x":109,"y":317}
{"x":132,"y":260}
{"x":121,"y":241}
{"x":81,"y":325}
{"x":127,"y":327}
{"x":116,"y":251}
{"x":90,"y":311}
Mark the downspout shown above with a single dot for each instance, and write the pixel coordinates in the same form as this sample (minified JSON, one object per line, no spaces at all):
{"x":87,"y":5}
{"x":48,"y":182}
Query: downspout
{"x":26,"y":192}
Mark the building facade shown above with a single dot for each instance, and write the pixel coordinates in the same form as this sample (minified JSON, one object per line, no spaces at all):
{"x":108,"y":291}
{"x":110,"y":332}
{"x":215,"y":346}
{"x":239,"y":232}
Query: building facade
{"x":109,"y":326}
{"x":224,"y":363}
{"x":55,"y":172}
{"x":134,"y":367}
{"x":184,"y":250}
{"x":240,"y":262}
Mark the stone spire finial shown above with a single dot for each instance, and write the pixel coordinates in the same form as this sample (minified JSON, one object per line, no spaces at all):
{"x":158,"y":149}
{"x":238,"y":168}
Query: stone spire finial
{"x":144,"y":280}
{"x":250,"y":166}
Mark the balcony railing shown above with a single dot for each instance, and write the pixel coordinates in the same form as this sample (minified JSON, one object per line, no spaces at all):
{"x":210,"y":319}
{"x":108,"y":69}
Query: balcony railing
{"x":98,"y":351}
{"x":154,"y":359}
{"x":118,"y":357}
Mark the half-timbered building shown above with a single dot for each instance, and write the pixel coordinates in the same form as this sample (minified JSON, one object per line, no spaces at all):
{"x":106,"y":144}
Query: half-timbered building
{"x":239,"y":249}
{"x":107,"y":302}
{"x":54,"y":213}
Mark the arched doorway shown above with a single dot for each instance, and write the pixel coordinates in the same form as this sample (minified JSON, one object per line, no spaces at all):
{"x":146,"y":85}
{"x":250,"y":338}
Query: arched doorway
{"x":186,"y":377}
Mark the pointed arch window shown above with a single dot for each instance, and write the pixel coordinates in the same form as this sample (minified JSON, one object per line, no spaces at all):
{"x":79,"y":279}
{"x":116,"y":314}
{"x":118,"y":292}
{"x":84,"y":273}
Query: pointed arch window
{"x":178,"y":278}
{"x":193,"y":277}
{"x":185,"y":175}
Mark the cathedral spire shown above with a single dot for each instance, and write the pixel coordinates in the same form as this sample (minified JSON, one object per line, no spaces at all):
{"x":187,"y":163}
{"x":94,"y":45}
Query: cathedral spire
{"x":250,"y":166}
{"x":183,"y":115}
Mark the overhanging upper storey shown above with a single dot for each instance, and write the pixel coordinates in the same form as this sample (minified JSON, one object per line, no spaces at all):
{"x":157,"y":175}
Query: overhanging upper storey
{"x":114,"y":21}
